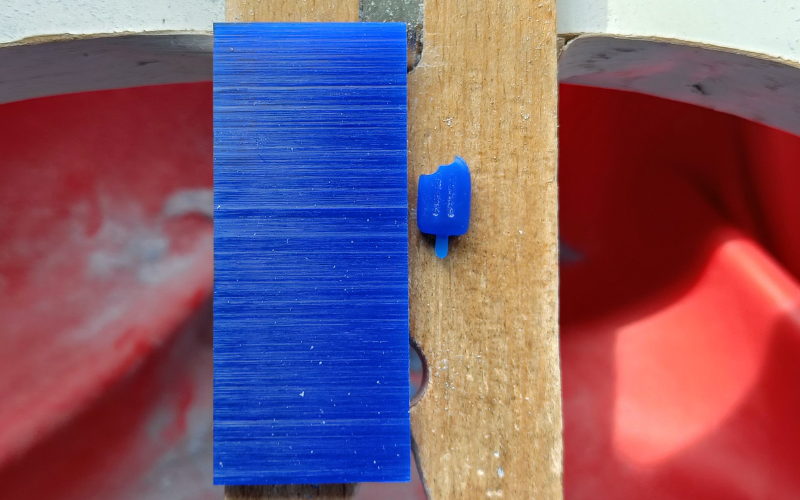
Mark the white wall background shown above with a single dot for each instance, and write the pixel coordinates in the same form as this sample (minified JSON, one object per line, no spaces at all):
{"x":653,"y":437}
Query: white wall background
{"x":26,"y":18}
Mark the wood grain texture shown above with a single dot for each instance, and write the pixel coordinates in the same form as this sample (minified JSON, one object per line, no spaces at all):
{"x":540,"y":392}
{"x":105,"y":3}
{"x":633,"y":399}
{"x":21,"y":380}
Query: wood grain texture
{"x":489,"y":425}
{"x":292,"y":11}
{"x":486,"y":317}
{"x":291,"y":492}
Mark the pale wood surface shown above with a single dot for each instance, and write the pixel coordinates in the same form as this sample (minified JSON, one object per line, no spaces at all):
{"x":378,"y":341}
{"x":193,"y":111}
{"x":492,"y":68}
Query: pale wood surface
{"x":292,"y":11}
{"x":486,"y":317}
{"x":489,"y":425}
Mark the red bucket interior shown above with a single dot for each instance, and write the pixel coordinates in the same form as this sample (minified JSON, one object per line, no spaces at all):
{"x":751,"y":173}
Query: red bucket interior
{"x":680,"y":303}
{"x":105,"y":276}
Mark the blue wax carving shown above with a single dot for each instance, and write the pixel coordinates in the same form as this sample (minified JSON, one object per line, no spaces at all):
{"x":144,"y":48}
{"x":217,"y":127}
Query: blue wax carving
{"x":443,"y":203}
{"x":310,"y":254}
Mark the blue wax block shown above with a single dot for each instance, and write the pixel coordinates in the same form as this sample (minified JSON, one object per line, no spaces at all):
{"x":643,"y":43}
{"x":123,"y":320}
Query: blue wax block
{"x":311,"y":254}
{"x":443,"y":203}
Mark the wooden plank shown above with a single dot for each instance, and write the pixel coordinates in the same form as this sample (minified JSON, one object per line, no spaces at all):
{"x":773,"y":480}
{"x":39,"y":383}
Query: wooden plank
{"x":292,"y":11}
{"x":489,"y":425}
{"x":486,"y":317}
{"x":291,"y":492}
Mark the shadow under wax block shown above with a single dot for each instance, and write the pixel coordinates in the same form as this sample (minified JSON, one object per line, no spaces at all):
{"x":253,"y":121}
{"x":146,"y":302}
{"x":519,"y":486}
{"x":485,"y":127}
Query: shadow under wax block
{"x":311,"y":254}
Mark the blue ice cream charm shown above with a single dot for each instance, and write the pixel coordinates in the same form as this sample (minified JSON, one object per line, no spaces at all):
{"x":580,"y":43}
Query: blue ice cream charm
{"x":443,"y":203}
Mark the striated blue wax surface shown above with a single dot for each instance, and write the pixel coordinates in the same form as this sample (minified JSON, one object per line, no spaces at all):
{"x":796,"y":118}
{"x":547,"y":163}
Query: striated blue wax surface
{"x":311,"y":253}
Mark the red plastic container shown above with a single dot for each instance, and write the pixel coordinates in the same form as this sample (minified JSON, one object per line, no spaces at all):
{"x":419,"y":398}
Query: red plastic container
{"x":106,"y":269}
{"x":680,"y":302}
{"x":105,"y":279}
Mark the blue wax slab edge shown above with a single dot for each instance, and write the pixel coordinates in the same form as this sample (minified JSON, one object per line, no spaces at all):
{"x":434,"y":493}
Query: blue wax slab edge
{"x":310,"y":254}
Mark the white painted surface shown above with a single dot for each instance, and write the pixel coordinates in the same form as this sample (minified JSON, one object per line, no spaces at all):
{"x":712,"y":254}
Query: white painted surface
{"x":737,"y":56}
{"x":761,"y":90}
{"x":62,"y":67}
{"x":21,"y":19}
{"x":769,"y":27}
